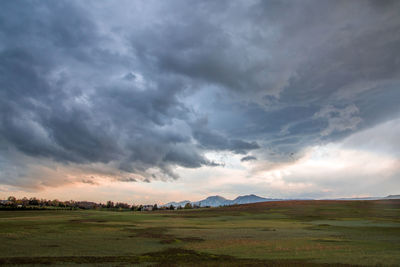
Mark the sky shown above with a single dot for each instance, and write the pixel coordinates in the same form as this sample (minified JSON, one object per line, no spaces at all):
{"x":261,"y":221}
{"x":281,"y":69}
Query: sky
{"x":156,"y":101}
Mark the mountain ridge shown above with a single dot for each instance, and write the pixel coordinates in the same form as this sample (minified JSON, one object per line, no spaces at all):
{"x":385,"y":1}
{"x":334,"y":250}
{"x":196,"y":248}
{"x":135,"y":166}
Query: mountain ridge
{"x":217,"y":201}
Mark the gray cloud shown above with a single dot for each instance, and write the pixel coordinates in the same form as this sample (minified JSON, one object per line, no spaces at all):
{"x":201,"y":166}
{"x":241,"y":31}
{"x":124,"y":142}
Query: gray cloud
{"x":248,"y":158}
{"x":88,"y":181}
{"x":130,"y":85}
{"x":213,"y":140}
{"x":128,"y":179}
{"x":61,"y":100}
{"x":339,"y":119}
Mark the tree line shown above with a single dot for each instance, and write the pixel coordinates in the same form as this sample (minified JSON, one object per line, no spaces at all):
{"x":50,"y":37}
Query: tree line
{"x":13,"y":203}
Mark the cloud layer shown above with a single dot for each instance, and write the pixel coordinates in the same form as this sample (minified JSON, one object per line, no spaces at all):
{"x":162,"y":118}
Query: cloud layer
{"x":133,"y":90}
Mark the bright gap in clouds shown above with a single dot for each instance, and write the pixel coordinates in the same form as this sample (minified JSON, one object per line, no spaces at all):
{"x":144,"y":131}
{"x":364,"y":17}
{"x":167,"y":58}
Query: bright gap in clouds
{"x":363,"y":164}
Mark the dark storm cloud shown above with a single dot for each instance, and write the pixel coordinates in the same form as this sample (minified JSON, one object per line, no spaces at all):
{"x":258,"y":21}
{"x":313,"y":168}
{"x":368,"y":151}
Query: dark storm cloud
{"x":326,"y":72}
{"x":130,"y":84}
{"x":248,"y":158}
{"x":213,"y":140}
{"x":68,"y":95}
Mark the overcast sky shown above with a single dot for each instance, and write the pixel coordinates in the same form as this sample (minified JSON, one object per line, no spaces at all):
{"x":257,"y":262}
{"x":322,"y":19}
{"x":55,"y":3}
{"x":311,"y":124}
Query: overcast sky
{"x":155,"y":101}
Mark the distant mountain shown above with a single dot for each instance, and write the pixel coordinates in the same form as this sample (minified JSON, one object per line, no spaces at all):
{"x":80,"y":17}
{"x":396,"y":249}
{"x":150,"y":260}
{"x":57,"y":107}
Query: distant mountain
{"x":358,"y":198}
{"x":217,"y":201}
{"x":213,"y":201}
{"x":392,"y":197}
{"x":249,"y":199}
{"x":177,"y":204}
{"x":370,"y":198}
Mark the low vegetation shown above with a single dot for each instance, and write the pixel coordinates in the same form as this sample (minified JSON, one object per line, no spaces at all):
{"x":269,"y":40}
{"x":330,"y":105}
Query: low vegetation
{"x":286,"y":233}
{"x":12,"y":203}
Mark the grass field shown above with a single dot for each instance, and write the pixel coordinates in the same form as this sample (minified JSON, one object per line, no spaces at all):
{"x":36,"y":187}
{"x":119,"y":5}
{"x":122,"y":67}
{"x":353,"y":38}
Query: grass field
{"x":288,"y":233}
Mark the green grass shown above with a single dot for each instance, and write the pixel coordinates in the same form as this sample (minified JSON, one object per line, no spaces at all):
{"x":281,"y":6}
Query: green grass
{"x":292,"y":233}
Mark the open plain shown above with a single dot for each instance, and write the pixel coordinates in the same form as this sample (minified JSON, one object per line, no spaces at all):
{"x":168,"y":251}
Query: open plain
{"x":284,"y":233}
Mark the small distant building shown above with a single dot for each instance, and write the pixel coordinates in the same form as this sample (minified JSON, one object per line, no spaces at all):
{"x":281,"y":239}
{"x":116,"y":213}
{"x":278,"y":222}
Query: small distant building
{"x":86,"y":204}
{"x":5,"y":202}
{"x":147,"y":208}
